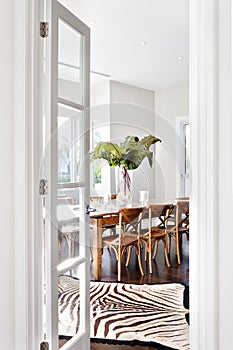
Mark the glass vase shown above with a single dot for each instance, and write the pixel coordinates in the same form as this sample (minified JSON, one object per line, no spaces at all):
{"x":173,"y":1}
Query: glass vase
{"x":124,"y":186}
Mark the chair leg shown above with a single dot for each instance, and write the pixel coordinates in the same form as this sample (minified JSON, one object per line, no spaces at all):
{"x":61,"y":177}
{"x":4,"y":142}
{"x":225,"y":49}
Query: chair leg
{"x":128,"y":256}
{"x":119,"y":265}
{"x":178,"y":248}
{"x":169,"y":244}
{"x":150,"y":261}
{"x":155,"y":249}
{"x":140,"y":261}
{"x":146,"y":250}
{"x":116,"y":252}
{"x":165,"y":252}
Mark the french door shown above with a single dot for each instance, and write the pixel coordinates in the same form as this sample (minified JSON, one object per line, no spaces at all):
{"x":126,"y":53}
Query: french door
{"x":65,"y":246}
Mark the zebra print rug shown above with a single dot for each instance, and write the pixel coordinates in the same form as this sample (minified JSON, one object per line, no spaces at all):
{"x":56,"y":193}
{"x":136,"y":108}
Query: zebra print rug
{"x":126,"y":312}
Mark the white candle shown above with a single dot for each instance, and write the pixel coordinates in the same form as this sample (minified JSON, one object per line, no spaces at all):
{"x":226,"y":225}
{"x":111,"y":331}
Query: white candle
{"x":144,"y":196}
{"x":107,"y":197}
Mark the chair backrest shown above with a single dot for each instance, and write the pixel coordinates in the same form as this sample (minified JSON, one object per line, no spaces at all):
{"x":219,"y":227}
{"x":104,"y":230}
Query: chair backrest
{"x":160,"y":212}
{"x":182,"y":212}
{"x":130,"y":218}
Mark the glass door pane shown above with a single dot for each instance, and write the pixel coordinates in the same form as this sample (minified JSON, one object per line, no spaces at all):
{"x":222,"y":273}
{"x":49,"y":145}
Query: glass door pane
{"x":69,"y":63}
{"x":70,"y":144}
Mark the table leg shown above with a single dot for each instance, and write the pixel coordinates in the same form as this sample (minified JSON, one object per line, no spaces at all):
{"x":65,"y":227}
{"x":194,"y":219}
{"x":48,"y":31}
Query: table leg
{"x":97,"y":247}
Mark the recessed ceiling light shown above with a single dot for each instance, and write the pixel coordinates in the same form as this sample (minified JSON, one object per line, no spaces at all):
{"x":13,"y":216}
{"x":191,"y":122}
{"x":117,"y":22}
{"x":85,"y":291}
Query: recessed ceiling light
{"x":143,"y":43}
{"x":180,"y":58}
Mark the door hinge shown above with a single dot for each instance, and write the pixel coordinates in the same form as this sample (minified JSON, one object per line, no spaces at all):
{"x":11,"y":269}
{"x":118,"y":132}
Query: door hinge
{"x":44,"y":29}
{"x":43,"y":188}
{"x":44,"y":345}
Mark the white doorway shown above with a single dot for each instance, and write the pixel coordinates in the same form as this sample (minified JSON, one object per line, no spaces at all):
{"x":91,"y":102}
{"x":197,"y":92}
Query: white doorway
{"x":208,"y":46}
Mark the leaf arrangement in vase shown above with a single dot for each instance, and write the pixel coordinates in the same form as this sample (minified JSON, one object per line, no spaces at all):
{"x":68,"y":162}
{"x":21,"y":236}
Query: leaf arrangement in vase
{"x":128,"y":155}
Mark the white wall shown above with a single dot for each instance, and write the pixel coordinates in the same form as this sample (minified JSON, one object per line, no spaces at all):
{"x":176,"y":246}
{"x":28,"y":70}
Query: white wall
{"x":132,"y":113}
{"x":125,"y":110}
{"x":100,"y":94}
{"x":69,"y":90}
{"x":170,"y":103}
{"x":7,"y":176}
{"x":100,"y":119}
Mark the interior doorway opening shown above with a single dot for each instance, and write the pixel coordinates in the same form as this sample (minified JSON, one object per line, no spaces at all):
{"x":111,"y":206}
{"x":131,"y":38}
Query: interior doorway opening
{"x":107,"y":91}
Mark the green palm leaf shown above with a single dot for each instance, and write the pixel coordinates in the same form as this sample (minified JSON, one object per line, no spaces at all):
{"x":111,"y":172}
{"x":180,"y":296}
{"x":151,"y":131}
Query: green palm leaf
{"x":129,"y":154}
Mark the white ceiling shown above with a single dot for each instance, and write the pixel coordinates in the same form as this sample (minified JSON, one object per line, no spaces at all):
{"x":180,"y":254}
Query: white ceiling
{"x":120,"y":26}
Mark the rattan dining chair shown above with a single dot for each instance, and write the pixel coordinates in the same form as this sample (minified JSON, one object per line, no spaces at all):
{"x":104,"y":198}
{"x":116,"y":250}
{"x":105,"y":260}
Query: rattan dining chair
{"x":157,"y":230}
{"x":178,"y":224}
{"x":128,"y":237}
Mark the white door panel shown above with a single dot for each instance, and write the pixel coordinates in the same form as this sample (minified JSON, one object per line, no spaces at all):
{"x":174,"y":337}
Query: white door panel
{"x":66,"y":167}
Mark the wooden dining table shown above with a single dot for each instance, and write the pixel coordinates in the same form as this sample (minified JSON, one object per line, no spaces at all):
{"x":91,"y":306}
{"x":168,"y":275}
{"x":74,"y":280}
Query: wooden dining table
{"x":101,"y":219}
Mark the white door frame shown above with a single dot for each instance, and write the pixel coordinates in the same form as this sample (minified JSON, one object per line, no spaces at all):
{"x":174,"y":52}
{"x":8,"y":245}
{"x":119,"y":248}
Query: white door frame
{"x":26,"y":203}
{"x":211,"y":178}
{"x":210,"y":96}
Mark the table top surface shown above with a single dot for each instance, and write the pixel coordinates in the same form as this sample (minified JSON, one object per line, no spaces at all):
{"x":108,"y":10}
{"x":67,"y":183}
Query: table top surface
{"x":69,"y":212}
{"x":113,"y":207}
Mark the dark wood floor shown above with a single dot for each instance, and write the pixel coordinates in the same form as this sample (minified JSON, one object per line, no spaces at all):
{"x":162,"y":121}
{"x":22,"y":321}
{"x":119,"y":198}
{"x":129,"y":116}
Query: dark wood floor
{"x":161,"y":274}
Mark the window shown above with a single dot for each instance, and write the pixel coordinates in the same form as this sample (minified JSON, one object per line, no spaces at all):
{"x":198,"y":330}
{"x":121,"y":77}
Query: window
{"x":97,"y":172}
{"x":99,"y":169}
